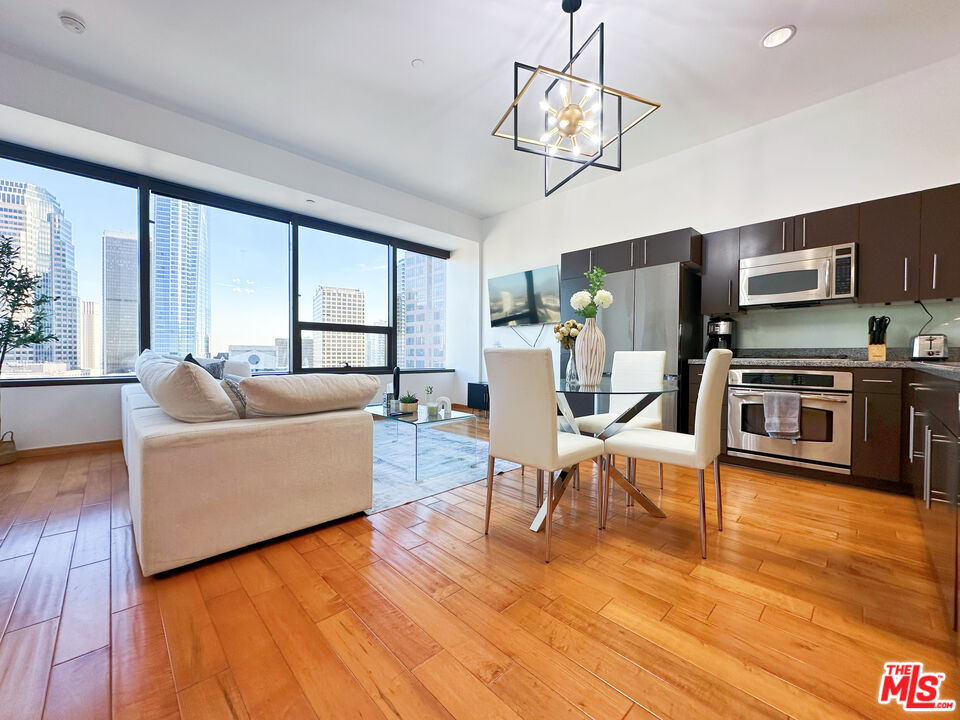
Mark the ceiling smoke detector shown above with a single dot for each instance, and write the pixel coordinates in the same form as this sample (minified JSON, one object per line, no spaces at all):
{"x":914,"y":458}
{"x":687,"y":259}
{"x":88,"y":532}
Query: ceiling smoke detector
{"x":416,"y":63}
{"x":72,"y":22}
{"x":779,"y":36}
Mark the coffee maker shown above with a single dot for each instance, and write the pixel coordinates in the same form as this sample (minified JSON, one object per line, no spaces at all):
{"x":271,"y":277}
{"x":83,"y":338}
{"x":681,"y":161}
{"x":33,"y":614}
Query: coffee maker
{"x":720,"y":333}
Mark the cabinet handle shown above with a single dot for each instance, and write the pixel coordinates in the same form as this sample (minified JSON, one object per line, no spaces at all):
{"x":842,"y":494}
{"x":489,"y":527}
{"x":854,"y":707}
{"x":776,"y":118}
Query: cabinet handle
{"x":866,"y":417}
{"x":783,"y":235}
{"x":804,"y":231}
{"x":729,"y":293}
{"x":934,"y":271}
{"x":631,"y":253}
{"x":866,"y":380}
{"x":912,"y":417}
{"x":590,"y":262}
{"x":927,"y":438}
{"x":644,"y":252}
{"x":905,"y":261}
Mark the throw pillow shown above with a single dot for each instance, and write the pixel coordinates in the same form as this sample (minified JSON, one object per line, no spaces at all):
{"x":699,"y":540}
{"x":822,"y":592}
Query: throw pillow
{"x":214,"y":367}
{"x":231,"y":385}
{"x":183,"y":390}
{"x":268,"y":395}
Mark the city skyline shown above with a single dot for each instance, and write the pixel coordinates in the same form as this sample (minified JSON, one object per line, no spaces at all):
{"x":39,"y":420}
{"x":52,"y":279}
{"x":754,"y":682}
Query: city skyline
{"x":219,"y":281}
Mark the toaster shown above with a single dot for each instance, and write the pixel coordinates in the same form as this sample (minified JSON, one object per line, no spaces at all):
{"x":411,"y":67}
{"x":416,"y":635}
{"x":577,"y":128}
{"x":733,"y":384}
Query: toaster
{"x":930,"y":347}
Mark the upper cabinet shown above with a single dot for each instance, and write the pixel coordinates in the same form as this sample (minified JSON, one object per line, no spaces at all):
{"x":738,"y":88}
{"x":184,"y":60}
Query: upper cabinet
{"x":889,"y":249}
{"x":766,"y":238}
{"x":835,"y":226}
{"x":939,"y":262}
{"x":682,"y":246}
{"x":720,"y":286}
{"x":615,"y":257}
{"x":575,"y":264}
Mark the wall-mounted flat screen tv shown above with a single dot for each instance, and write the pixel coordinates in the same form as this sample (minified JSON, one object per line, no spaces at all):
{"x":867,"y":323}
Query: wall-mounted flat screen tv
{"x":525,"y":298}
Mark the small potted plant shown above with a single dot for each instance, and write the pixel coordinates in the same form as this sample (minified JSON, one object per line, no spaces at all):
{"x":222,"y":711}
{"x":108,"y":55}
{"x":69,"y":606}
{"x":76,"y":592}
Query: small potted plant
{"x":433,"y":408}
{"x":408,"y":403}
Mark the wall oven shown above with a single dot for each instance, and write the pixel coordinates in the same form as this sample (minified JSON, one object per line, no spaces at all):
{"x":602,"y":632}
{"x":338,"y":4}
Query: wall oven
{"x":826,"y":417}
{"x":804,"y":276}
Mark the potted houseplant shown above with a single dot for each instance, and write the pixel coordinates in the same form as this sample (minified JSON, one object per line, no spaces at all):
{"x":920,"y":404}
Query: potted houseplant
{"x":408,"y":403}
{"x":566,"y":334}
{"x":591,"y":345}
{"x":23,"y":318}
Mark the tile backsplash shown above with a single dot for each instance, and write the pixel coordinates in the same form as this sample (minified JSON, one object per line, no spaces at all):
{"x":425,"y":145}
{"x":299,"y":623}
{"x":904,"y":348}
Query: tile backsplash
{"x":843,"y":325}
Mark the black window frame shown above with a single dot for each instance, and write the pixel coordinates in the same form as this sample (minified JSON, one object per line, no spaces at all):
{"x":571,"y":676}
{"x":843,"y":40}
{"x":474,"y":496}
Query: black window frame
{"x":147,"y":185}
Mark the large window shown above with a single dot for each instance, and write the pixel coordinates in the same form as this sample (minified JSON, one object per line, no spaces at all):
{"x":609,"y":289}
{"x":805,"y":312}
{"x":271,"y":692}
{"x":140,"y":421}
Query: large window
{"x":133,"y":262}
{"x":219,"y":284}
{"x":80,"y":236}
{"x":422,"y":310}
{"x":344,"y":300}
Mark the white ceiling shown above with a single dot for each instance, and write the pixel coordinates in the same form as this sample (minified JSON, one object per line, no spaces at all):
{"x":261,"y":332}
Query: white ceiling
{"x":332,"y":80}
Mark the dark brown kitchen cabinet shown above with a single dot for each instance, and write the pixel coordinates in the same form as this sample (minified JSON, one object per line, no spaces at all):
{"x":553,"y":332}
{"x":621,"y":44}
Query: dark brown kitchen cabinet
{"x":719,"y":289}
{"x":875,"y":444}
{"x":575,"y":264}
{"x":615,"y":257}
{"x":940,"y":243}
{"x":766,"y":238}
{"x":682,"y":246}
{"x":889,"y":250}
{"x":835,"y":226}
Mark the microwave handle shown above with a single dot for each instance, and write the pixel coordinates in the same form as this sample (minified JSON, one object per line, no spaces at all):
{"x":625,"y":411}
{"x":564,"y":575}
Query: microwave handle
{"x":828,"y":288}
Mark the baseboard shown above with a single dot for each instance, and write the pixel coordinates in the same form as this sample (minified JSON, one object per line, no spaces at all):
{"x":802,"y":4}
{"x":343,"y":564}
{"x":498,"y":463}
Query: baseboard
{"x":75,"y":448}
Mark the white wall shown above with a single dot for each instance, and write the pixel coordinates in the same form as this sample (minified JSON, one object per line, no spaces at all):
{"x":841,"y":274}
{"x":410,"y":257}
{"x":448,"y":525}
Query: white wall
{"x":65,"y":415}
{"x":896,"y":136}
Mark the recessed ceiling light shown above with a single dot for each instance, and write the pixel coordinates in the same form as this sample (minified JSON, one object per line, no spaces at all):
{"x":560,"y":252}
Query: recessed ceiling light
{"x":416,"y":63}
{"x":72,"y":22}
{"x":778,"y":36}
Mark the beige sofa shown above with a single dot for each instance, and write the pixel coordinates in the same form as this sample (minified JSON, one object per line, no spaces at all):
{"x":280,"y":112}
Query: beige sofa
{"x":201,"y":489}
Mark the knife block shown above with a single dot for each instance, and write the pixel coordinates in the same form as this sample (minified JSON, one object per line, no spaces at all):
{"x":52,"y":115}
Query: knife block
{"x":876,"y":353}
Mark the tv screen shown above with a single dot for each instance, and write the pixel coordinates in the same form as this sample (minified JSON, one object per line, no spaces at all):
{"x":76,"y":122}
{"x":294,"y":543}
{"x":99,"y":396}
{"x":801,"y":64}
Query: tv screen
{"x":525,"y":298}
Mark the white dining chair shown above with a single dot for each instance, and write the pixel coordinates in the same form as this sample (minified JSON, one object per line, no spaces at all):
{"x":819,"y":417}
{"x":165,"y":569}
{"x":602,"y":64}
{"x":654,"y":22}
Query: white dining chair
{"x":692,"y":451}
{"x":523,"y":423}
{"x":632,"y":368}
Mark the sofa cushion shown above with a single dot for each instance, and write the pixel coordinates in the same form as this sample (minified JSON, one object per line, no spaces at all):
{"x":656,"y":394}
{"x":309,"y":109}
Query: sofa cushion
{"x":214,"y":367}
{"x":268,"y":395}
{"x":183,"y":390}
{"x":231,"y":386}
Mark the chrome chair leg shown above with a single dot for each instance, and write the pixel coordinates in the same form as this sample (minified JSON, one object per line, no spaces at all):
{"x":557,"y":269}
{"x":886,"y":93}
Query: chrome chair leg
{"x":660,"y":474}
{"x":486,"y":516}
{"x":549,"y":519}
{"x":539,"y":487}
{"x":576,"y":476}
{"x":632,"y":477}
{"x":716,"y":485}
{"x":606,"y":490}
{"x":600,"y":492}
{"x":703,"y":515}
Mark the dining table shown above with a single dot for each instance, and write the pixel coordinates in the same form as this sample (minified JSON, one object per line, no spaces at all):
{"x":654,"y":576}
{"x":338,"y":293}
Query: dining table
{"x":641,"y":392}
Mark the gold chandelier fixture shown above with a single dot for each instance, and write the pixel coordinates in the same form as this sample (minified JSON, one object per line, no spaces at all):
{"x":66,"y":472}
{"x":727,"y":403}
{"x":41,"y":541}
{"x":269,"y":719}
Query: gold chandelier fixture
{"x":578,"y":121}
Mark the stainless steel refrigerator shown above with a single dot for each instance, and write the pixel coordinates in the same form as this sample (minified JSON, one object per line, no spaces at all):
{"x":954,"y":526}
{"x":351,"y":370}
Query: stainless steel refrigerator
{"x":654,"y":308}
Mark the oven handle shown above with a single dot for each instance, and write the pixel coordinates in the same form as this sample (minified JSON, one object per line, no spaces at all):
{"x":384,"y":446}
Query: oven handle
{"x":803,"y":396}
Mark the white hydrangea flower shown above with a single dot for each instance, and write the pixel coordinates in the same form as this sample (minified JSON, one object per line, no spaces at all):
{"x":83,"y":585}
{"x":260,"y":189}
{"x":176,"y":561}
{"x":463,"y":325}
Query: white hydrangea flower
{"x":580,"y":300}
{"x":604,"y":298}
{"x":574,"y":332}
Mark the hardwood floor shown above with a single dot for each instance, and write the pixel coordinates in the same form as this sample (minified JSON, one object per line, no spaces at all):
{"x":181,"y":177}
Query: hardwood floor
{"x":413,"y":613}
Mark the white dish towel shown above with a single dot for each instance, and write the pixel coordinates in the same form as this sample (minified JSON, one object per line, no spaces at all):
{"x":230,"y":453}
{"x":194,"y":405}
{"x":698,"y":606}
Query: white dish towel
{"x":781,"y":412}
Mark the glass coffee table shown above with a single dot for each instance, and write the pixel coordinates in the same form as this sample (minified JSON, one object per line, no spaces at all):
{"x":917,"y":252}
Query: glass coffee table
{"x":438,"y":439}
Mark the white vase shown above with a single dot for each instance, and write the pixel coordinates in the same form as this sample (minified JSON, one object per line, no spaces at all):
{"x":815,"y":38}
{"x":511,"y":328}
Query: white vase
{"x":591,"y":353}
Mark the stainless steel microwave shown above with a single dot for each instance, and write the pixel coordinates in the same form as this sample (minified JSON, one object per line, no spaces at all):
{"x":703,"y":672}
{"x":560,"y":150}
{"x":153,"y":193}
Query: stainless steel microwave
{"x":805,"y":276}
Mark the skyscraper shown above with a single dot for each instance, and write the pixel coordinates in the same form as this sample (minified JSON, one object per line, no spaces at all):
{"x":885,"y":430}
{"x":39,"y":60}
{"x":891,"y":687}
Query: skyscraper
{"x":336,"y":349}
{"x":180,"y":273}
{"x":91,"y":337}
{"x":34,"y":218}
{"x":121,"y":302}
{"x":422,"y":316}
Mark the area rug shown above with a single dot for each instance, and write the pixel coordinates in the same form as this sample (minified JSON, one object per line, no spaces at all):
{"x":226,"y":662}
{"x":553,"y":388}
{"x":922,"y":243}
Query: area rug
{"x":447,"y":460}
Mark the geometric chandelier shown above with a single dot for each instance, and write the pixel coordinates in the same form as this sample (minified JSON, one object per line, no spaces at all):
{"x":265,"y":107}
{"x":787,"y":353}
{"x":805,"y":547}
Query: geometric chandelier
{"x":570,"y":118}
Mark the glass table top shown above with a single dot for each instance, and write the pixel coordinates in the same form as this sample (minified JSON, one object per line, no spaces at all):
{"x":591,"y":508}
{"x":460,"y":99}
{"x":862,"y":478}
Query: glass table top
{"x":420,"y":417}
{"x":640,"y":386}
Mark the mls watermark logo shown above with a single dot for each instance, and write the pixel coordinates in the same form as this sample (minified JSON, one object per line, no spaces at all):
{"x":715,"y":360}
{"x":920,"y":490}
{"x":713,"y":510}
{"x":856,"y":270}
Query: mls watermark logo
{"x":914,"y":689}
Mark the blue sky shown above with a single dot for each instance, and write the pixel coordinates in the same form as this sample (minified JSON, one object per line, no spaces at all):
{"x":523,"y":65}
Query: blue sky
{"x":249,"y":258}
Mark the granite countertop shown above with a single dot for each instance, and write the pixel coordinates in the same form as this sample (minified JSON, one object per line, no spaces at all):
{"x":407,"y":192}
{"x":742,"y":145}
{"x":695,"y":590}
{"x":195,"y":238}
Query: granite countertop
{"x":944,"y":369}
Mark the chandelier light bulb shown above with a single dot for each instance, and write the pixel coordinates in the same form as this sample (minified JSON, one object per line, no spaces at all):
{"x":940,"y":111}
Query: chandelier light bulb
{"x":545,"y":105}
